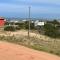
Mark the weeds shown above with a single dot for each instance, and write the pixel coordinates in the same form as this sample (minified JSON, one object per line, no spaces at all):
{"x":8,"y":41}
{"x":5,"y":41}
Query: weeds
{"x":35,"y":43}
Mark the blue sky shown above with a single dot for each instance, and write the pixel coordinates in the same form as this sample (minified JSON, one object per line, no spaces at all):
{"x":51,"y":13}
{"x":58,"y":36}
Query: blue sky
{"x":39,"y":8}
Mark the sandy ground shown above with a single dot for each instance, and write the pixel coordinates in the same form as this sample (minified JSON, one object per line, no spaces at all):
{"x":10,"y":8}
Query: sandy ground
{"x":9,"y":51}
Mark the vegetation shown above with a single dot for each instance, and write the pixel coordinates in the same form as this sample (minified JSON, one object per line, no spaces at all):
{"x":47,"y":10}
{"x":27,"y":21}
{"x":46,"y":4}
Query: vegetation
{"x":52,"y":30}
{"x":9,"y":28}
{"x":22,"y":25}
{"x":27,"y":25}
{"x":17,"y":28}
{"x":35,"y":43}
{"x":6,"y":23}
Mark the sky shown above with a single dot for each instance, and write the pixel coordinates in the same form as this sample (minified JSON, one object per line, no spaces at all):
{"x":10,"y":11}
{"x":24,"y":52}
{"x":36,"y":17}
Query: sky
{"x":39,"y":8}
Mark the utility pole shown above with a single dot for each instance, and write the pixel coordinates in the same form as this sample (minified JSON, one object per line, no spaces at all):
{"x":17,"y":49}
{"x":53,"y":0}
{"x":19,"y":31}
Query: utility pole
{"x":29,"y":23}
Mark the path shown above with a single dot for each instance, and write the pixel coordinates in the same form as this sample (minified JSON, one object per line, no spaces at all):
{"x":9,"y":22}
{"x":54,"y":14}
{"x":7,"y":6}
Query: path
{"x":9,"y":51}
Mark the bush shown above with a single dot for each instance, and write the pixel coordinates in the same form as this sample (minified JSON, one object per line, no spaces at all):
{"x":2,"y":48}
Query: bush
{"x":27,"y":25}
{"x":9,"y":28}
{"x":51,"y":51}
{"x":21,"y":25}
{"x":32,"y":26}
{"x":18,"y":28}
{"x":57,"y":53}
{"x":6,"y":23}
{"x":51,"y":30}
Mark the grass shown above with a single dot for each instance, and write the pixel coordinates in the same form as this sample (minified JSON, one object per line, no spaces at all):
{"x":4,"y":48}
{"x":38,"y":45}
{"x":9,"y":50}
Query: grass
{"x":51,"y":46}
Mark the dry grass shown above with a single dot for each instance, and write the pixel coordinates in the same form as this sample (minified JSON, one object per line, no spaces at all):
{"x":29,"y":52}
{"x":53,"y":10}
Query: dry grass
{"x":36,"y":41}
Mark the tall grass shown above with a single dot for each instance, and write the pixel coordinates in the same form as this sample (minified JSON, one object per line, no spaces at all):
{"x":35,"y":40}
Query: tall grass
{"x":52,"y":46}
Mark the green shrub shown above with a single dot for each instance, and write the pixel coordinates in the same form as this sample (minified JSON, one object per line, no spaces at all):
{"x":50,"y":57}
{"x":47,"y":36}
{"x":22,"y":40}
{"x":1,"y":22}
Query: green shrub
{"x":51,"y":30}
{"x":9,"y":28}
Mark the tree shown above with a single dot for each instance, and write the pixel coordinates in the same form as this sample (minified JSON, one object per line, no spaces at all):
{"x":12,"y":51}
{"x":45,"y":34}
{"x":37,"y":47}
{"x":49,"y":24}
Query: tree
{"x":50,"y":30}
{"x":55,"y":22}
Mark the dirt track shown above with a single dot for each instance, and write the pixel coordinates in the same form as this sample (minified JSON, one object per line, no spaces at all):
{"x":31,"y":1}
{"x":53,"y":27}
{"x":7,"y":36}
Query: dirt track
{"x":9,"y":51}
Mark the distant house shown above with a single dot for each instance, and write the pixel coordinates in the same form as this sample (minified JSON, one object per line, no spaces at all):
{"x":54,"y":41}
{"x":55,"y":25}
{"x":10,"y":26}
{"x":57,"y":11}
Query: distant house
{"x":2,"y":21}
{"x":39,"y":23}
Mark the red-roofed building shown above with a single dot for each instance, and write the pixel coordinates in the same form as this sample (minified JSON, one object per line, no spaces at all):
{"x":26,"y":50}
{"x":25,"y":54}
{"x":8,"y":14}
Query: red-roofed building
{"x":2,"y":21}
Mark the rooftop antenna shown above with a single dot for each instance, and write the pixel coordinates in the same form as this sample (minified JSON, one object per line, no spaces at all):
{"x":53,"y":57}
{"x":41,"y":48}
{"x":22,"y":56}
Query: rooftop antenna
{"x":29,"y":23}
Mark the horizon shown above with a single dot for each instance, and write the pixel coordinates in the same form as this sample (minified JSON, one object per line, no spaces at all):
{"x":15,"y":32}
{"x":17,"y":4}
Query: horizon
{"x":39,"y":9}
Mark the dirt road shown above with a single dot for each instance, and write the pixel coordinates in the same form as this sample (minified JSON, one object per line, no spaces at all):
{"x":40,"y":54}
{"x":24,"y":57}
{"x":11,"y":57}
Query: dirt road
{"x":9,"y":51}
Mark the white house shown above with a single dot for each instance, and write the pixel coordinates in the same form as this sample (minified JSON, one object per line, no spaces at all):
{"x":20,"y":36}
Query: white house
{"x":37,"y":23}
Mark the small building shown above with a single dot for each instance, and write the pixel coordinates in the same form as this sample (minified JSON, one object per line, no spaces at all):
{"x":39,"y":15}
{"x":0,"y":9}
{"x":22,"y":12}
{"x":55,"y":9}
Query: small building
{"x":2,"y":21}
{"x":39,"y":23}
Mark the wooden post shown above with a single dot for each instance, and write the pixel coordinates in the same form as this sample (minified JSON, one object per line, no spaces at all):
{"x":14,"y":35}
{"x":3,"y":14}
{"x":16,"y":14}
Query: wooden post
{"x":29,"y":23}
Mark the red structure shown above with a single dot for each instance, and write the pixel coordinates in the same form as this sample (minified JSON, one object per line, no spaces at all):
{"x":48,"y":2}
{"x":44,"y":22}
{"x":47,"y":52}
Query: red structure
{"x":2,"y":21}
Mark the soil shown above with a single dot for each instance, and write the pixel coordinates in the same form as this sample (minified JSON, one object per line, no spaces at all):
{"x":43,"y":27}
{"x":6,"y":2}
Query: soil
{"x":9,"y":51}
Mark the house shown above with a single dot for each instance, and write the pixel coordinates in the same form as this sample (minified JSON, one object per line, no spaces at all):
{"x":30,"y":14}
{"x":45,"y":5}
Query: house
{"x":2,"y":21}
{"x":39,"y":23}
